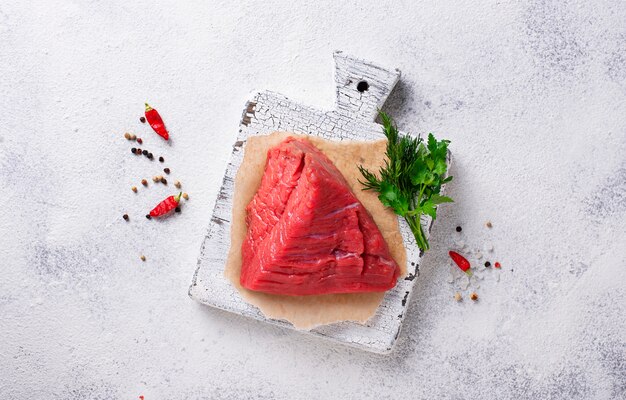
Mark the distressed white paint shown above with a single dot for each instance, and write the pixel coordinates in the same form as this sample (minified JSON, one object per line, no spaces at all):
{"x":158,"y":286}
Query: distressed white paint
{"x":532,"y":94}
{"x":351,"y":119}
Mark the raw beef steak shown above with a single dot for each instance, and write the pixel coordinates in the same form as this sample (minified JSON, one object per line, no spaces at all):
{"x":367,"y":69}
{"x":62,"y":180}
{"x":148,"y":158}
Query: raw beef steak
{"x":308,"y":233}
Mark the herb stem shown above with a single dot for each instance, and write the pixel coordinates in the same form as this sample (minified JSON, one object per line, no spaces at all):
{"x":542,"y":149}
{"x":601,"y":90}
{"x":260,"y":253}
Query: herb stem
{"x":415,"y":224}
{"x":419,"y":197}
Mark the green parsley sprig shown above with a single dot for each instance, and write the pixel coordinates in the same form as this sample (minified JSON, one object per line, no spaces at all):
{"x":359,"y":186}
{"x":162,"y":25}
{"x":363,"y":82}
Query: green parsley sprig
{"x":411,"y":179}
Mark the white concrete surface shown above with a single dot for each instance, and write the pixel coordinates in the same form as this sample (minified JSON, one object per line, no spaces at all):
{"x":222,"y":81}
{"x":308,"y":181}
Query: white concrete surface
{"x":531,"y":93}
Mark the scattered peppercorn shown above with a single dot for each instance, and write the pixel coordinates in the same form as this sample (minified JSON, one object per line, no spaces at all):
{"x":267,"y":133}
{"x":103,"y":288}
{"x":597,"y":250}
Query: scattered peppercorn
{"x":142,"y":120}
{"x":134,"y":189}
{"x":498,"y":265}
{"x":150,"y":156}
{"x":133,"y":136}
{"x":125,"y":216}
{"x":148,"y":216}
{"x":144,"y":182}
{"x":487,"y":264}
{"x":185,"y":196}
{"x":488,"y":224}
{"x":164,"y":181}
{"x":127,"y":136}
{"x":133,"y":150}
{"x":177,"y":184}
{"x":474,"y":296}
{"x":143,"y":258}
{"x":138,"y":152}
{"x":161,"y":159}
{"x":177,"y":209}
{"x":139,"y":140}
{"x":155,"y":178}
{"x":159,"y":177}
{"x":459,"y":229}
{"x":145,"y":152}
{"x":166,"y":170}
{"x":457,"y":296}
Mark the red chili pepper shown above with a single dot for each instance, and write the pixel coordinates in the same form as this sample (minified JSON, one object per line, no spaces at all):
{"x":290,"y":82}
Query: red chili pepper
{"x":461,"y":262}
{"x":166,"y":206}
{"x":156,"y":122}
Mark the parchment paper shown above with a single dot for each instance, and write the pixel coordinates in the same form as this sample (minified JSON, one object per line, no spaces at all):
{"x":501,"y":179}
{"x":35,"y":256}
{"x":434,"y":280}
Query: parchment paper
{"x":307,"y":312}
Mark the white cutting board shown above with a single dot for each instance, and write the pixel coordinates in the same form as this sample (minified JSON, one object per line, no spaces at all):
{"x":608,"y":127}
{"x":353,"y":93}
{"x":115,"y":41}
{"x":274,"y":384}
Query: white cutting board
{"x":351,"y":119}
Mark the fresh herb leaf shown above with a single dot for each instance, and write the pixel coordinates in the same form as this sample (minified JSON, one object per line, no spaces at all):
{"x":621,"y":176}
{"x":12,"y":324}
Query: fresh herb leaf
{"x":428,"y":208}
{"x":438,"y":199}
{"x":392,"y":197}
{"x":411,"y":179}
{"x":420,"y":173}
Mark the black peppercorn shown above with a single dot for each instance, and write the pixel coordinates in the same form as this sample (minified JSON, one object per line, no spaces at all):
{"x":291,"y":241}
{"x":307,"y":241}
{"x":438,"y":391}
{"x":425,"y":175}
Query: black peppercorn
{"x":133,"y":150}
{"x":177,"y":209}
{"x":161,"y":159}
{"x":487,"y":264}
{"x":150,"y":156}
{"x":459,"y":229}
{"x":166,"y":170}
{"x":143,"y":120}
{"x":148,"y":216}
{"x":125,"y":216}
{"x":145,"y":152}
{"x":164,"y":181}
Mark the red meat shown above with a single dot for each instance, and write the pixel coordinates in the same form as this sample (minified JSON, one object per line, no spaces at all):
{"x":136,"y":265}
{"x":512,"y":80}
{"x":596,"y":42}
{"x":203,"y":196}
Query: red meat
{"x":308,"y":233}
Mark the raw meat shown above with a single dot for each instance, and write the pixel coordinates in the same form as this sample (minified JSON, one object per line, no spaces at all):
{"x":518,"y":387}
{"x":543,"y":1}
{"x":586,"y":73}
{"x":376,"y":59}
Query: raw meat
{"x":307,"y":232}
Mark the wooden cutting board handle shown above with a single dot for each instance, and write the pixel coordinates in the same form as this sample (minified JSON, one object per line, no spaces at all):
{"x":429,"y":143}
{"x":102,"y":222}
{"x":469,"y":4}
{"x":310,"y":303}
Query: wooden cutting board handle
{"x":362,"y":87}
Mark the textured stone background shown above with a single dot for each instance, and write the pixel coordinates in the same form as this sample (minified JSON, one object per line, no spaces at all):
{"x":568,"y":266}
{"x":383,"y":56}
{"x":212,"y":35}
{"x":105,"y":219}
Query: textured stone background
{"x":531,"y":93}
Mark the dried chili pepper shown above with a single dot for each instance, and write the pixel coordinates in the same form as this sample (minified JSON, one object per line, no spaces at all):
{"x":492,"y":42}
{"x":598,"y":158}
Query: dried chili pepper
{"x":461,"y":262}
{"x":166,"y":206}
{"x":156,"y":122}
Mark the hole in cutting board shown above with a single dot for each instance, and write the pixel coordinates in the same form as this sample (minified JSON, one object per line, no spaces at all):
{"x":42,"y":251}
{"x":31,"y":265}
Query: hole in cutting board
{"x":362,"y":86}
